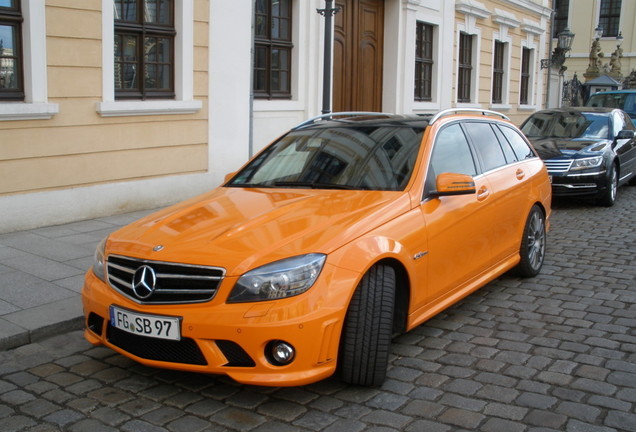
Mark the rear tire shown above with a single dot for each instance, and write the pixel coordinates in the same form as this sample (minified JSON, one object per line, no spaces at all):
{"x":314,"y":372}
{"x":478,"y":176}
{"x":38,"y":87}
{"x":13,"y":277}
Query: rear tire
{"x":533,"y":244}
{"x":368,"y":326}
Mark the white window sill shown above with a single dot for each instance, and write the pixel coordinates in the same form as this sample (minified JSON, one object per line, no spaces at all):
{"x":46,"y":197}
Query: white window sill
{"x":138,"y":108}
{"x":500,"y":107}
{"x":527,"y":108}
{"x":468,"y":105}
{"x":27,"y":111}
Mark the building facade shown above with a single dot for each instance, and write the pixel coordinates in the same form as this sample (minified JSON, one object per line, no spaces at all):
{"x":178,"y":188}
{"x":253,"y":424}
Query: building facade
{"x":590,"y":58}
{"x":110,"y":106}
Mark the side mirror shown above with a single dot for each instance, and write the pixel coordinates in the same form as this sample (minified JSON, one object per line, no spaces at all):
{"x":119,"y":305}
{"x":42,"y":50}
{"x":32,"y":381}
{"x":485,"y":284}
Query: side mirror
{"x":454,"y":184}
{"x":625,"y":134}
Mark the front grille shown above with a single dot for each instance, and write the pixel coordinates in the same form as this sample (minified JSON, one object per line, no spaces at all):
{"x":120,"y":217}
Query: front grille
{"x":175,"y":283}
{"x":558,"y":165}
{"x":183,"y":351}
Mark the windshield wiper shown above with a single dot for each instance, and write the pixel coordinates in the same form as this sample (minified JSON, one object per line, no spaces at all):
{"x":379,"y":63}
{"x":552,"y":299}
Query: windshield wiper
{"x":313,"y":185}
{"x":250,"y":185}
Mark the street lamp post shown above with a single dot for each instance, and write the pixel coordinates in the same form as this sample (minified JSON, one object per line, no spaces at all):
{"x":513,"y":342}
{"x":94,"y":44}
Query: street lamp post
{"x":328,"y":12}
{"x":557,"y":59}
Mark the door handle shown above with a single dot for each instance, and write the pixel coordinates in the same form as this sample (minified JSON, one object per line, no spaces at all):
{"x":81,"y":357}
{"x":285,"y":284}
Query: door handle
{"x":520,"y":174}
{"x":483,"y":193}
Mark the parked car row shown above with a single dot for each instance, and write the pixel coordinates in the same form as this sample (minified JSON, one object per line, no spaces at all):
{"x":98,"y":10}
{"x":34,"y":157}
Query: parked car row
{"x":347,"y":230}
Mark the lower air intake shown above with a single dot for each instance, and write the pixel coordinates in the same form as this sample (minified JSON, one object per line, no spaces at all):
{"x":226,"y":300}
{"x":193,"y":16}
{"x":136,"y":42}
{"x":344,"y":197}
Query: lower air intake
{"x":184,"y":351}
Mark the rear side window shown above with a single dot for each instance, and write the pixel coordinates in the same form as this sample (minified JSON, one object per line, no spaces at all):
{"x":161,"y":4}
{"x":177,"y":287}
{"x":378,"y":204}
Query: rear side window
{"x":521,"y":148}
{"x":486,"y":145}
{"x":451,"y":153}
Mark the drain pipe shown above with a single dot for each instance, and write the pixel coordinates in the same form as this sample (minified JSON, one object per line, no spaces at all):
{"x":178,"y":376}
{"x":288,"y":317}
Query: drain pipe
{"x":547,"y":96}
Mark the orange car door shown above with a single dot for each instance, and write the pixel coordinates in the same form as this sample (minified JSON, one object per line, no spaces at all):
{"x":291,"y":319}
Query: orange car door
{"x":509,"y":181}
{"x":516,"y":182}
{"x":457,"y":226}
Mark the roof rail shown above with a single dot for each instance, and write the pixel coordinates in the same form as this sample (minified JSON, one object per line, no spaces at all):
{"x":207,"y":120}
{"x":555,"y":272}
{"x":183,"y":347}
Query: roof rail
{"x":344,"y":113}
{"x":451,"y":111}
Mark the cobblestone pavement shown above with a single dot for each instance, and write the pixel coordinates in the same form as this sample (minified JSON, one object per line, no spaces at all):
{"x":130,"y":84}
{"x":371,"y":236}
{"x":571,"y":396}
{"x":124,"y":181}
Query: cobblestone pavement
{"x":557,"y":352}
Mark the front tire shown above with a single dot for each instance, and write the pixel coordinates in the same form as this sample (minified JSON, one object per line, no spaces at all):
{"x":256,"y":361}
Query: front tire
{"x":533,"y":244}
{"x":608,"y":198}
{"x":368,"y":326}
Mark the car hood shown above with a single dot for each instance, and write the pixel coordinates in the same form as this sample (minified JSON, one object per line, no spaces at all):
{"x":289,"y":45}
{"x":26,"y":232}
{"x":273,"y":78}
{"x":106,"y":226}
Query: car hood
{"x":549,"y":148}
{"x":239,"y":229}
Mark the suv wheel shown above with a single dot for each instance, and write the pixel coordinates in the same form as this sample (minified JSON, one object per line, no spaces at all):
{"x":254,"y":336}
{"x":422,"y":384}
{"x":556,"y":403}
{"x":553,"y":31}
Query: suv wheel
{"x":366,"y":335}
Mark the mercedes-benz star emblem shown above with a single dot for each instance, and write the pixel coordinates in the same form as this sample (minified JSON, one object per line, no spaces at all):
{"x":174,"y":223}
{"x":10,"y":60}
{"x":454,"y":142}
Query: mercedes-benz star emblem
{"x":143,"y":283}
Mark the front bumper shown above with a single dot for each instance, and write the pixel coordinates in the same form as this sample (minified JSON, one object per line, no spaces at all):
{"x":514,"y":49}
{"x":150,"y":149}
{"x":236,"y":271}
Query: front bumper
{"x":578,"y":184}
{"x":231,"y":339}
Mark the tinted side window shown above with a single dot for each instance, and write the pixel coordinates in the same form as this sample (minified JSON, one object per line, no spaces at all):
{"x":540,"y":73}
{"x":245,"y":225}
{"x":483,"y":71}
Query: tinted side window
{"x":486,"y":145}
{"x":451,"y":153}
{"x":505,"y":145}
{"x":628,"y":122}
{"x":521,"y":148}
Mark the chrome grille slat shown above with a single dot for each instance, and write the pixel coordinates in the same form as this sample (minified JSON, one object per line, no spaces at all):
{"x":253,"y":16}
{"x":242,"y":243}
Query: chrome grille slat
{"x":172,"y":276}
{"x":181,"y":291}
{"x":122,"y":268}
{"x":558,"y":165}
{"x":121,"y":281}
{"x":175,"y":283}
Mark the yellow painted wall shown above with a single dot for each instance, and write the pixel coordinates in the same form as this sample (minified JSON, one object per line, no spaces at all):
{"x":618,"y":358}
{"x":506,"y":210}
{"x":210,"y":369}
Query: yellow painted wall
{"x":517,"y":35}
{"x":77,"y":146}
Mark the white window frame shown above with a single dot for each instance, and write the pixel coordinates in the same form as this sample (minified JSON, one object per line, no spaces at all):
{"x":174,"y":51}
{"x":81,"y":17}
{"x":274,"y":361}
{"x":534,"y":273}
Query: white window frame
{"x":531,"y":73}
{"x":300,"y":59}
{"x":184,"y":102}
{"x":436,"y":81}
{"x":475,"y":34}
{"x":506,"y":21}
{"x":472,"y":11}
{"x":533,"y":30}
{"x":35,"y":105}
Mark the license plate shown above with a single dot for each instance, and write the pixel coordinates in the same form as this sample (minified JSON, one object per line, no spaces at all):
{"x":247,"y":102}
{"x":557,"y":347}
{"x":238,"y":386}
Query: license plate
{"x":155,"y":326}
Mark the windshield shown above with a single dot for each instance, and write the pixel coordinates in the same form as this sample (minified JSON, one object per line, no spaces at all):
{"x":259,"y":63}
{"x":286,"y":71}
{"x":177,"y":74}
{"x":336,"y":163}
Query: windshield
{"x":369,"y":158}
{"x":624,"y":101}
{"x":569,"y":125}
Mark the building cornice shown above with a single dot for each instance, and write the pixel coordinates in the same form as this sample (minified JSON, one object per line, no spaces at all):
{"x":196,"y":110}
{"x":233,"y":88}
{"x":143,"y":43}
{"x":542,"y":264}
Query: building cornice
{"x":533,"y":7}
{"x":472,"y":8}
{"x":533,"y":27}
{"x":505,"y":18}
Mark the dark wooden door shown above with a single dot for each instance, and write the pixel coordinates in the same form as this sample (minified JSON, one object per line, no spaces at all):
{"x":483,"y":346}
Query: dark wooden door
{"x":358,"y":52}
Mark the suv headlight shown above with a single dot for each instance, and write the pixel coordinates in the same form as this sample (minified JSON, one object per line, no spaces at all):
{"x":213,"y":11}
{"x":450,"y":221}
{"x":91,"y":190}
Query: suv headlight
{"x":277,"y":280}
{"x":586,"y":163}
{"x":99,"y":262}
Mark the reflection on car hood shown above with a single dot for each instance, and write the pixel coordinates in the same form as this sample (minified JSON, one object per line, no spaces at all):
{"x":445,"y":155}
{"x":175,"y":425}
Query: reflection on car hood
{"x":549,"y":148}
{"x":240,"y":229}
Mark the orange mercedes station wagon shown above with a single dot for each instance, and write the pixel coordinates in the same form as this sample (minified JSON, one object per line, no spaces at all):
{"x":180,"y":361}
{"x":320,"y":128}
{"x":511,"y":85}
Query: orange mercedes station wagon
{"x":347,"y":230}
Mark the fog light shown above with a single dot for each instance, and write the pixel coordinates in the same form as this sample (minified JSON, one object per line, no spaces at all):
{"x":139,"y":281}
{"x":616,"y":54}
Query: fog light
{"x":279,"y":353}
